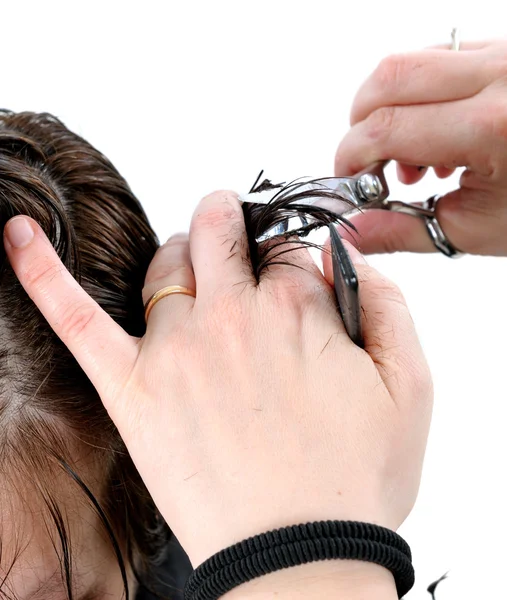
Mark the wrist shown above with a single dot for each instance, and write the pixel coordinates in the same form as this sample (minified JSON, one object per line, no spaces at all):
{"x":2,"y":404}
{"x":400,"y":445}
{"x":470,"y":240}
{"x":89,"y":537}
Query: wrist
{"x":352,"y":579}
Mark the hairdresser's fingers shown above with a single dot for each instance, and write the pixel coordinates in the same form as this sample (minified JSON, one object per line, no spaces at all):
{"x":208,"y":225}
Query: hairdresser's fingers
{"x":103,"y":349}
{"x":471,"y":219}
{"x":388,"y":329}
{"x":424,"y":77}
{"x":219,"y":244}
{"x":409,"y":174}
{"x":170,"y":266}
{"x":380,"y":231}
{"x":425,"y":134}
{"x":443,"y":172}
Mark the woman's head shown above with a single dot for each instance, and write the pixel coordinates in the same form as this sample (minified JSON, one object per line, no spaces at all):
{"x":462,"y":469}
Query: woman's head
{"x":75,"y":517}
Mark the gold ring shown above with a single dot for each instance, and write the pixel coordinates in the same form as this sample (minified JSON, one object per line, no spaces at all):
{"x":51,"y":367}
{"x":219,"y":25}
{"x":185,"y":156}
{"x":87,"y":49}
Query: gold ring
{"x":167,"y":291}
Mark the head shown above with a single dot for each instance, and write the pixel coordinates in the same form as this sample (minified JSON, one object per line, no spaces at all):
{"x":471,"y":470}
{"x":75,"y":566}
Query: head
{"x":76,"y":520}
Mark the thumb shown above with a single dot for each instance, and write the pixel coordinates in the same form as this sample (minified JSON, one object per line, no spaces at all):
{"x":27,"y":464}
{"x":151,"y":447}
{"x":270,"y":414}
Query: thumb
{"x":382,"y":231}
{"x":388,"y":329}
{"x":104,"y":350}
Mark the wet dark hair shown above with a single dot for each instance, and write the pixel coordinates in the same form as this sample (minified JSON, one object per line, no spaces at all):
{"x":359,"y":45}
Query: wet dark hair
{"x":47,"y":404}
{"x":286,"y":204}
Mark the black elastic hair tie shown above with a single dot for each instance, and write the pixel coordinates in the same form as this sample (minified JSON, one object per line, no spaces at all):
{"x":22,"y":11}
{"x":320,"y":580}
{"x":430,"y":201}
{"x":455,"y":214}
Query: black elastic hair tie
{"x":300,"y":544}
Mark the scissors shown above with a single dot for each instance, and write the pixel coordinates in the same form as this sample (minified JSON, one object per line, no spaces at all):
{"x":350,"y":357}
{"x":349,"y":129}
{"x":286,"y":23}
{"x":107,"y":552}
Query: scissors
{"x":344,"y":196}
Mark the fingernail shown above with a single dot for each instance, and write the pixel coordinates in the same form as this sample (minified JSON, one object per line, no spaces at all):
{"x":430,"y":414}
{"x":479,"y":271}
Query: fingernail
{"x":355,"y":255}
{"x":19,"y":232}
{"x":421,"y":168}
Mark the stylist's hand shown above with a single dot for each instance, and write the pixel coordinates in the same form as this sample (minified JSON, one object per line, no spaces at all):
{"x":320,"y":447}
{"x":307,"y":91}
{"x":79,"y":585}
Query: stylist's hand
{"x":249,"y":408}
{"x":443,"y":109}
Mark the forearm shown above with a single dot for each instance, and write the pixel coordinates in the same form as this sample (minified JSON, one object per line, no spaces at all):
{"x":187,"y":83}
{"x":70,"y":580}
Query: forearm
{"x":340,"y":579}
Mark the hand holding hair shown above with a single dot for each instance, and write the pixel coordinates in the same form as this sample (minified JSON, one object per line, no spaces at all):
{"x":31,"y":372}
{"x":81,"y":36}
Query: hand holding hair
{"x":444,"y":110}
{"x":247,"y":408}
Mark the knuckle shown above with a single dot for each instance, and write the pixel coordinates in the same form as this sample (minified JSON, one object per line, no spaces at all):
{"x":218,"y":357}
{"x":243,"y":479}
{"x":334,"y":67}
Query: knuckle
{"x":75,"y":320}
{"x":177,"y":273}
{"x":489,"y":125}
{"x":171,"y":262}
{"x":219,"y":195}
{"x":177,"y":238}
{"x":174,"y":243}
{"x":395,"y":241}
{"x":41,"y":272}
{"x":391,"y":72}
{"x":216,"y":209}
{"x":381,"y":123}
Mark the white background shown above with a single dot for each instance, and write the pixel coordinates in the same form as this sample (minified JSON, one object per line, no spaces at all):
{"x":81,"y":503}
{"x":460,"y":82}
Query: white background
{"x":188,"y":97}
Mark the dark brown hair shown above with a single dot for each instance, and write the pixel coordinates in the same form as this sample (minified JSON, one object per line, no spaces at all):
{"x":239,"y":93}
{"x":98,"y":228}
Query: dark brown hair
{"x":286,"y":204}
{"x":102,"y":235}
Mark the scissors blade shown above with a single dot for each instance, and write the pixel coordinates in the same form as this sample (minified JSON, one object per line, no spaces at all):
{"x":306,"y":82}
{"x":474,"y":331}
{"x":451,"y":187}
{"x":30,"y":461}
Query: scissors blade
{"x":366,"y":188}
{"x":335,"y":194}
{"x":339,"y":195}
{"x":344,"y":189}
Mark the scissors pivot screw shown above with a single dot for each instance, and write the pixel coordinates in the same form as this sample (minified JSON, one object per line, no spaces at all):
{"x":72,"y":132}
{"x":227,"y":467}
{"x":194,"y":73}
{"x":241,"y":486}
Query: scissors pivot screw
{"x":369,"y":187}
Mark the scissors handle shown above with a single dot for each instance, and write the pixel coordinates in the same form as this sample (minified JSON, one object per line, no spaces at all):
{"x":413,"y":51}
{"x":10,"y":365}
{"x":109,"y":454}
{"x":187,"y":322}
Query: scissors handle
{"x":414,"y":210}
